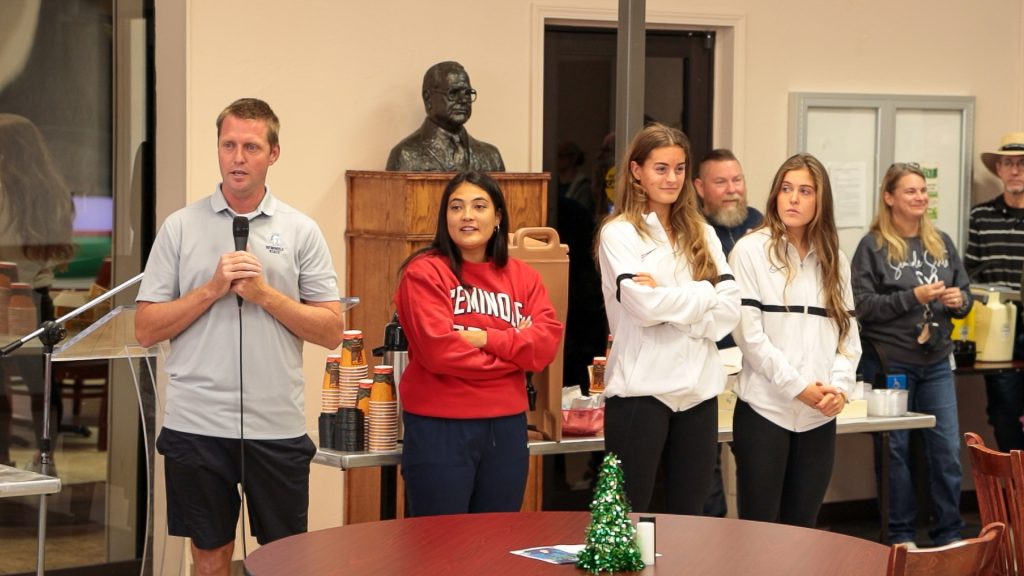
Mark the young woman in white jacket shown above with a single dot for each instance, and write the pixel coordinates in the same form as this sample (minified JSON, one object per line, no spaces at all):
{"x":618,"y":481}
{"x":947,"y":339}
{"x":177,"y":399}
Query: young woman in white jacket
{"x":800,"y":349}
{"x":670,"y":296}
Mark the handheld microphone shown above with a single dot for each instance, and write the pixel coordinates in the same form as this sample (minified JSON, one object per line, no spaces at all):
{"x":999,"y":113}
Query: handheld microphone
{"x":240,"y":230}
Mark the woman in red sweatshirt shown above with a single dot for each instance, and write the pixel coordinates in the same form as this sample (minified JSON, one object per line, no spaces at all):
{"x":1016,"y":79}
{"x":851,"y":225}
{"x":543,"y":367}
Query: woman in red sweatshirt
{"x":476,"y":321}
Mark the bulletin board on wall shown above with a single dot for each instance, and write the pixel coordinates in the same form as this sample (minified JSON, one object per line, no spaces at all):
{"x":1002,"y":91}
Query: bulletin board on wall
{"x":858,"y":136}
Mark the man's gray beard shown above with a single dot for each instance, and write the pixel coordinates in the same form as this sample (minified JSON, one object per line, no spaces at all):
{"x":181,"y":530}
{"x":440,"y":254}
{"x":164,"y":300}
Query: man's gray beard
{"x":729,"y":218}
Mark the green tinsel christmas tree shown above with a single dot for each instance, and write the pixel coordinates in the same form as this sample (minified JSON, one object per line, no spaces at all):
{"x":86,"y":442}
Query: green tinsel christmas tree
{"x":611,"y":537}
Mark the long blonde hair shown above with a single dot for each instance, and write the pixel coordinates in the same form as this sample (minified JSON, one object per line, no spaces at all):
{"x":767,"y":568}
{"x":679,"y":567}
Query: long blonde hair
{"x":884,"y":230}
{"x":40,"y":204}
{"x":686,"y":224}
{"x":821,"y":234}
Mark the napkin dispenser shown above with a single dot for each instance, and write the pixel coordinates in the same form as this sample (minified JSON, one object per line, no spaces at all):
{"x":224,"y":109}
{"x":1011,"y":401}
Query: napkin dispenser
{"x":887,"y":402}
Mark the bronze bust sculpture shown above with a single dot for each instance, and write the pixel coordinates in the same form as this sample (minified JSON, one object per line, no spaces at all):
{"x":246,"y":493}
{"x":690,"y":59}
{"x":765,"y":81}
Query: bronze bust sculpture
{"x":442,"y":143}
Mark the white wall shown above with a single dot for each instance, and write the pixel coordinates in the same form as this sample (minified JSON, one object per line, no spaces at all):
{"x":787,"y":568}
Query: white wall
{"x":905,"y":47}
{"x":344,"y":77}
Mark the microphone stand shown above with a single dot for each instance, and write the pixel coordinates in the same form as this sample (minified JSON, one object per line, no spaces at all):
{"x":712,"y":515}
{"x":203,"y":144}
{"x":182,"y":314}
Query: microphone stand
{"x":50,"y":333}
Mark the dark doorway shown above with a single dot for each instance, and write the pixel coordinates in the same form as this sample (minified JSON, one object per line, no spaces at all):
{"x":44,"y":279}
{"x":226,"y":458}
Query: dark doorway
{"x":579,"y":93}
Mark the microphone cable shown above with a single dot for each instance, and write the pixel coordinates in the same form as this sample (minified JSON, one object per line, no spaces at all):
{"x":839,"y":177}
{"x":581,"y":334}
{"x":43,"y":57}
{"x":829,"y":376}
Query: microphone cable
{"x":241,"y":427}
{"x":240,"y":232}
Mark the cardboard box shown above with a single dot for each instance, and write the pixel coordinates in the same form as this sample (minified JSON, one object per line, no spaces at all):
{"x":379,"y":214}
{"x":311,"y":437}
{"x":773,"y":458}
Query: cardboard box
{"x":854,"y":409}
{"x":541,"y":249}
{"x":726,"y":407}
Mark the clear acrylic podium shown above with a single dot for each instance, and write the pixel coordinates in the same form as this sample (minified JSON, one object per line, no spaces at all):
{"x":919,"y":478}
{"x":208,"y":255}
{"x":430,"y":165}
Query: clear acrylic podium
{"x":112,"y":337}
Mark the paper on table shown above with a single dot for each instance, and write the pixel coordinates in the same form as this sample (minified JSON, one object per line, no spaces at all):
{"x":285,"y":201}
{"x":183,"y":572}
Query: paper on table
{"x":560,"y":554}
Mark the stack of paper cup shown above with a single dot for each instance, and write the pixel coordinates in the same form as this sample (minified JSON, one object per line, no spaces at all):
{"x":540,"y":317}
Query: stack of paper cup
{"x":363,"y":404}
{"x":330,"y":393}
{"x":352,"y":369}
{"x":383,"y":418}
{"x":351,"y":431}
{"x":352,"y":353}
{"x":350,"y":388}
{"x":597,"y":375}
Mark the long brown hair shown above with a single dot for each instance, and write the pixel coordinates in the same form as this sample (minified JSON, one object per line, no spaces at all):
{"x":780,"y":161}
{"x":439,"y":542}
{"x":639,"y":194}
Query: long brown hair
{"x":883,"y":228}
{"x":39,"y":201}
{"x":497,"y":246}
{"x":686,"y":224}
{"x":821,"y":234}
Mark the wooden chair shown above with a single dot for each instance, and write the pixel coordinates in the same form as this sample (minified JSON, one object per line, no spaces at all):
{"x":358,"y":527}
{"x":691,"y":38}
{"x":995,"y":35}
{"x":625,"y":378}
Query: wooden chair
{"x":999,"y":481}
{"x":971,"y":557}
{"x":84,"y":381}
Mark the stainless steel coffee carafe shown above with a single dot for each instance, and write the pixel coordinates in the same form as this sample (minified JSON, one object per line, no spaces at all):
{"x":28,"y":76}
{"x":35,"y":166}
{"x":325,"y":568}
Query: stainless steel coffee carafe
{"x":395,"y":353}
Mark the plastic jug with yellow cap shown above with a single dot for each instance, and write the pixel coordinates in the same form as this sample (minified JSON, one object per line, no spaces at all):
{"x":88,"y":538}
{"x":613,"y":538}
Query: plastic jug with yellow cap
{"x":995,"y":321}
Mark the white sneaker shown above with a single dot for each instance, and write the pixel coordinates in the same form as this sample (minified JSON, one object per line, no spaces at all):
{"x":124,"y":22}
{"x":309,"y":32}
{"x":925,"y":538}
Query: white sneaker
{"x":910,"y":544}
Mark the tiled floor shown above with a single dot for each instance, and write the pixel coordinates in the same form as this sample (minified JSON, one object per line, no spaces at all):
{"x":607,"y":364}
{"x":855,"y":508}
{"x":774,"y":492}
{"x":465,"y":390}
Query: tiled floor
{"x":66,"y":546}
{"x":76,"y":534}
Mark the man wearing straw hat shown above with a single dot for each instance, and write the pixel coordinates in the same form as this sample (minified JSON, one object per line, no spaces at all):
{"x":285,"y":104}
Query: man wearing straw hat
{"x":995,"y":255}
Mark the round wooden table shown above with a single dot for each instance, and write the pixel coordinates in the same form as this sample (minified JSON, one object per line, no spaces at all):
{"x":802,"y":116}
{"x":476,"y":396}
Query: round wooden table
{"x":481,"y":544}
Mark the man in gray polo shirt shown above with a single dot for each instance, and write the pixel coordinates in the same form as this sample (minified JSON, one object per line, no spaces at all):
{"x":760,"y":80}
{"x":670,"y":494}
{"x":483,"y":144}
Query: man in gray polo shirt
{"x":289,"y":294}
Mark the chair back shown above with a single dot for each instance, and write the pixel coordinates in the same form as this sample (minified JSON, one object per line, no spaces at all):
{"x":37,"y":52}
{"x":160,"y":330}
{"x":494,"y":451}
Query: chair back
{"x":999,"y":481}
{"x":971,"y":557}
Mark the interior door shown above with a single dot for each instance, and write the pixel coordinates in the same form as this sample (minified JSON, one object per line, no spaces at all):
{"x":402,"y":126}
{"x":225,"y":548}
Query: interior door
{"x":579,"y":91}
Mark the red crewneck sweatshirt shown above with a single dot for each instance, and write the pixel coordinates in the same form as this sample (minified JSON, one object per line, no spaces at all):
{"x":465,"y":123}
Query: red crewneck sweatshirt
{"x":449,"y":378}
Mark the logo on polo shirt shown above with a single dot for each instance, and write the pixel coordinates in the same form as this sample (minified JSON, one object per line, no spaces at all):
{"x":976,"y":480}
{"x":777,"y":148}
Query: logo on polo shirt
{"x":275,"y":244}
